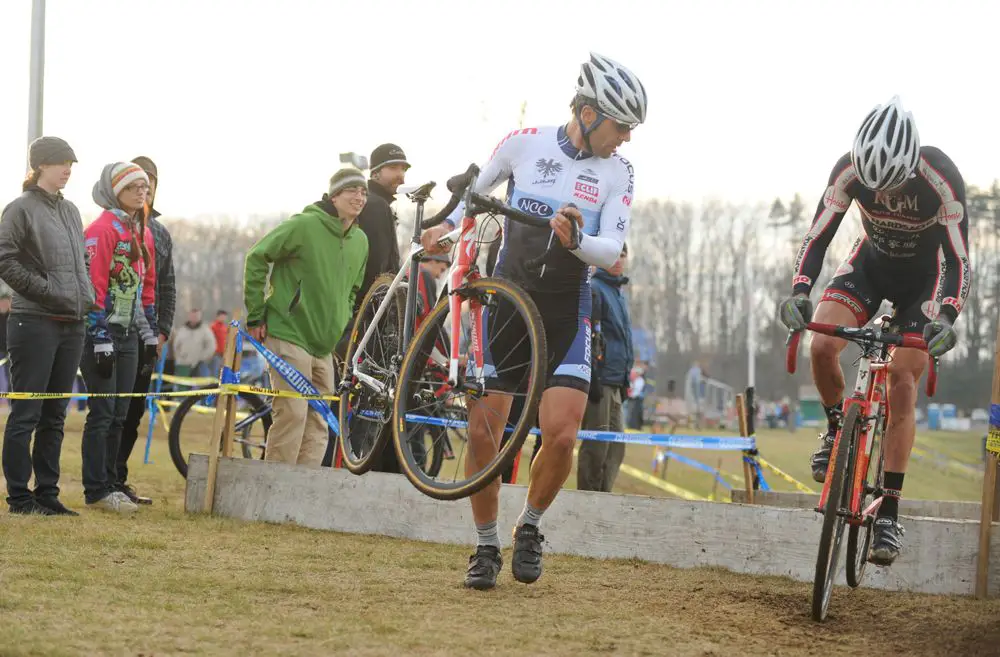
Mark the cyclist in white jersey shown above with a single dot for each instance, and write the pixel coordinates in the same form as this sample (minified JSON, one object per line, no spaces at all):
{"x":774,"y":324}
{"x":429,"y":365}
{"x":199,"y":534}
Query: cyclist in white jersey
{"x":547,"y":170}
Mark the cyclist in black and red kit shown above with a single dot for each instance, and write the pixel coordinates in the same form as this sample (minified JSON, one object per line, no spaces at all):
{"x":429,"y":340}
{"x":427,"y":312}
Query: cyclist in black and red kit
{"x":913,"y":252}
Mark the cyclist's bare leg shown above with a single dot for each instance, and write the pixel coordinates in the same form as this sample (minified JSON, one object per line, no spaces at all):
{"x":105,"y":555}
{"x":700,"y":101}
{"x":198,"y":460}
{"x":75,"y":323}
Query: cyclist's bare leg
{"x":825,"y":351}
{"x":905,"y":370}
{"x":560,"y":415}
{"x":487,"y":418}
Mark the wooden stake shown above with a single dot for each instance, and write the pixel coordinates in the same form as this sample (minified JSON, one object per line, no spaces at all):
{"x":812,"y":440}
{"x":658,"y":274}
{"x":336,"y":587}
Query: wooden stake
{"x":223,"y":417}
{"x":987,"y":512}
{"x":741,"y":414}
{"x":227,"y":431}
{"x":715,"y":480}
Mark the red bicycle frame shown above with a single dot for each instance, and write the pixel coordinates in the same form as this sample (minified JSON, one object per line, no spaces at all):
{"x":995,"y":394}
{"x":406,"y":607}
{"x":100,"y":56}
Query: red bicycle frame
{"x":869,"y":395}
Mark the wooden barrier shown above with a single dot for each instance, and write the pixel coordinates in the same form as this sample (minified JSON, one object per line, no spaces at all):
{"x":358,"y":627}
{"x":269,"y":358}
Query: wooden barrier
{"x":222,"y":427}
{"x":988,"y":512}
{"x":741,"y":414}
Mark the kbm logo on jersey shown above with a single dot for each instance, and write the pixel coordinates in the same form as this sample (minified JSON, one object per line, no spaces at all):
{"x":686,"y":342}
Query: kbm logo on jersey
{"x":897,"y":202}
{"x":536,"y":208}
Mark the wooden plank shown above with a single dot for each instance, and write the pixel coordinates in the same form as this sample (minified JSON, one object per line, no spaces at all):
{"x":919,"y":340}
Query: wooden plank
{"x":939,"y":555}
{"x":988,"y":512}
{"x":952,"y":509}
{"x":741,"y":414}
{"x":221,"y":420}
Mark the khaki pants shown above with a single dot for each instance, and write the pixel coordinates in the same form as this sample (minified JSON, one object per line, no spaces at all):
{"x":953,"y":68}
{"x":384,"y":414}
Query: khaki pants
{"x":299,"y":434}
{"x":598,"y":461}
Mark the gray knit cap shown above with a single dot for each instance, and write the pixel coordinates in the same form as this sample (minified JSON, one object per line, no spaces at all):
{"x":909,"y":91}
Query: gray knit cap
{"x":49,"y":150}
{"x":347,"y":177}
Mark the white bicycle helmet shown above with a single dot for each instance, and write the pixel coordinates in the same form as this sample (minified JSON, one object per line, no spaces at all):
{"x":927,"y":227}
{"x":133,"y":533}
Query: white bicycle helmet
{"x":887,"y":147}
{"x":618,"y":92}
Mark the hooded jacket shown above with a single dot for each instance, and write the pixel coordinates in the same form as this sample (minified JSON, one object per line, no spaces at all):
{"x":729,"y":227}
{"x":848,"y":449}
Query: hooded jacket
{"x":318,"y":268}
{"x":616,"y":327}
{"x":42,"y":258}
{"x":125,"y":288}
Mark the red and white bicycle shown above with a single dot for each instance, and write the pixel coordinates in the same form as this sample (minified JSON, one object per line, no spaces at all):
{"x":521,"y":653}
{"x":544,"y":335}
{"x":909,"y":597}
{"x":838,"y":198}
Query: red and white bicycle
{"x":852,"y":492}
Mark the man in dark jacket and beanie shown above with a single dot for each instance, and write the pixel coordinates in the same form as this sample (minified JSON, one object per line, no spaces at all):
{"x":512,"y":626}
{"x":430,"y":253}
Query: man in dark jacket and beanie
{"x":166,"y":297}
{"x":598,"y":461}
{"x":378,"y":221}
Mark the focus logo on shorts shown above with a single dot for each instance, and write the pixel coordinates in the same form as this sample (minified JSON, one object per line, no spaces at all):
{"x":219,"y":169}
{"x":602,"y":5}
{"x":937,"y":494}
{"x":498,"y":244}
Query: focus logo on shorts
{"x":802,"y":280}
{"x":836,"y":199}
{"x":847,"y":300}
{"x":537,"y":208}
{"x":951,"y":213}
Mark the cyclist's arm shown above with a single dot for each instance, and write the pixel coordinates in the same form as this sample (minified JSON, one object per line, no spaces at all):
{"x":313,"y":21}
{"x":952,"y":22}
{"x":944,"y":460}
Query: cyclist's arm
{"x":953,"y":225}
{"x":604,"y":248}
{"x":829,"y":213}
{"x":498,"y":169}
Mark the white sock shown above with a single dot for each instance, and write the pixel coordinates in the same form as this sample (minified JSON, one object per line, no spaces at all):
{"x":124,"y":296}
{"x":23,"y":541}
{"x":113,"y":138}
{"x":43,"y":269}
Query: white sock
{"x":487,"y":534}
{"x":530,"y":515}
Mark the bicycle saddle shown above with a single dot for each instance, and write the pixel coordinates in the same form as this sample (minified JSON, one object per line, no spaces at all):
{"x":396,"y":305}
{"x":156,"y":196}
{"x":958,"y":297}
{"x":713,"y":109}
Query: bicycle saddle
{"x":422,"y":193}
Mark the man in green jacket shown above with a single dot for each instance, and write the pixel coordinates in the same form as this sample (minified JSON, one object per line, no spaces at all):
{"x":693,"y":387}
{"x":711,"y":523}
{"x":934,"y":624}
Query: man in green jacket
{"x":317,"y":261}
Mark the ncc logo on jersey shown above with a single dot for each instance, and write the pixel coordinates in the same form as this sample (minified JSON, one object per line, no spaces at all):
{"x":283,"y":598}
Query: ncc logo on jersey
{"x":535,"y":207}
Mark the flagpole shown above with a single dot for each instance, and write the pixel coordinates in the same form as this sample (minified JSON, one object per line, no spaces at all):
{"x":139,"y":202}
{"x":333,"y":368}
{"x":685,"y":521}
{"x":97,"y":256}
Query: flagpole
{"x":35,"y":97}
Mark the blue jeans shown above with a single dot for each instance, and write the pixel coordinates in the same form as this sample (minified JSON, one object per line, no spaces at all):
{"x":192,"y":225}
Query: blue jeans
{"x":44,"y":355}
{"x":102,"y":430}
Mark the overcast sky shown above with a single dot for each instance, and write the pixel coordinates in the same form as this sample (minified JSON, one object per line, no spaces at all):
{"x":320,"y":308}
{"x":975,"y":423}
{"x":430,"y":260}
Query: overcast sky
{"x":245,"y":105}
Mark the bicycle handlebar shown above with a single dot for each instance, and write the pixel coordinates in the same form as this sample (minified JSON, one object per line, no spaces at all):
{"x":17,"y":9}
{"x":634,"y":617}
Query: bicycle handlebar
{"x":861,"y":336}
{"x":461,"y":188}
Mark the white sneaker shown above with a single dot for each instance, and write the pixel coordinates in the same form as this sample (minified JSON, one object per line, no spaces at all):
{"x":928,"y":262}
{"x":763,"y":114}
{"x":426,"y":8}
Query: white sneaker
{"x":116,"y":501}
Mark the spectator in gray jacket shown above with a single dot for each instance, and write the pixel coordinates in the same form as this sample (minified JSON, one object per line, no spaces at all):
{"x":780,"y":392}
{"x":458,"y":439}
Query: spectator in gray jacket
{"x":42,"y":259}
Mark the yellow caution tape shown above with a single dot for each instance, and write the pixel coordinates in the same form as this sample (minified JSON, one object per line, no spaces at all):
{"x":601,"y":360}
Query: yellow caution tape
{"x":784,"y":475}
{"x":89,"y":395}
{"x":270,"y":392}
{"x":187,"y":380}
{"x":647,"y":478}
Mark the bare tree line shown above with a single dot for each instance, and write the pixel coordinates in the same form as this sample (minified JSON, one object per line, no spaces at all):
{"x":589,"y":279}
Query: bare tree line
{"x":690,"y":273}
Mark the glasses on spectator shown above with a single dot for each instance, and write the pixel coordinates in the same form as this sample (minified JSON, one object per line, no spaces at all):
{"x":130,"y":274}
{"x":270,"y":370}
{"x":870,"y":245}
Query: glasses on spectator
{"x":137,"y":187}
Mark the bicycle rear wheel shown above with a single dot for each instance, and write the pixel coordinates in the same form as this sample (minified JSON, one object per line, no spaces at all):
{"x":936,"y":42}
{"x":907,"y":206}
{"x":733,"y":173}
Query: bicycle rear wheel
{"x":832,"y":534}
{"x":365,"y":412}
{"x":858,"y":544}
{"x":424,"y":404}
{"x":250,"y":431}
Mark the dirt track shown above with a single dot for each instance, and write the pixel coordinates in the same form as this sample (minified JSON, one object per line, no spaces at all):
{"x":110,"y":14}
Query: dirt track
{"x":170,"y":584}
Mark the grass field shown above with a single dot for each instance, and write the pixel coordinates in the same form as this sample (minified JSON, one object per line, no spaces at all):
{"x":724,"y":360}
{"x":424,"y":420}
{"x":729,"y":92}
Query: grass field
{"x":163,"y":582}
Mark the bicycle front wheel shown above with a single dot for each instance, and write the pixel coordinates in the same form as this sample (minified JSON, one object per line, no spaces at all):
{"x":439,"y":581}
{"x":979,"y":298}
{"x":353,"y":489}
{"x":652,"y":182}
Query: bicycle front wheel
{"x":253,"y":421}
{"x":832,"y":534}
{"x":859,"y":538}
{"x":365,"y":410}
{"x":427,"y":407}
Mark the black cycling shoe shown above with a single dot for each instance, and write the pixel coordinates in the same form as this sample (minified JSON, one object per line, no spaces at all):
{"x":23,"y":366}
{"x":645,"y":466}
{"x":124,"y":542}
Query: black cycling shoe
{"x":820,"y":460}
{"x":887,"y":542}
{"x":527,"y":561}
{"x":55,"y":506}
{"x":484,"y":566}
